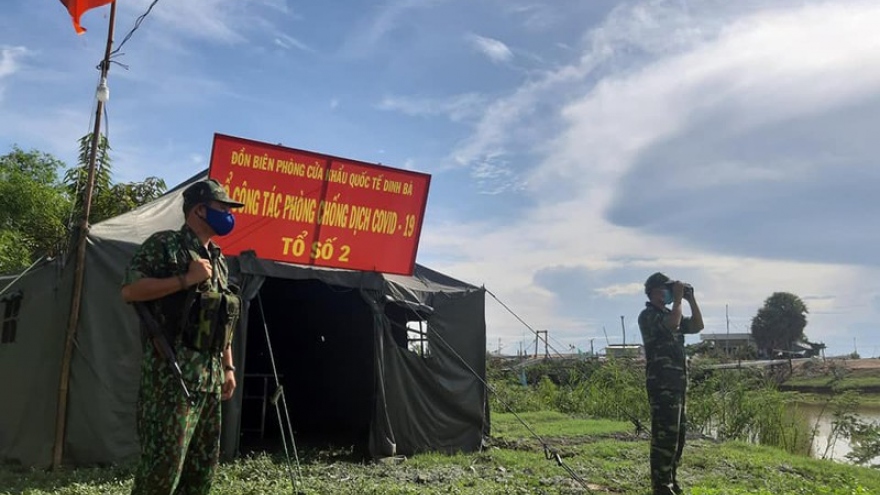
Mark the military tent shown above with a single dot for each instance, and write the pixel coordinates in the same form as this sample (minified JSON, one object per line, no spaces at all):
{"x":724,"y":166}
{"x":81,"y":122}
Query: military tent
{"x":394,"y":364}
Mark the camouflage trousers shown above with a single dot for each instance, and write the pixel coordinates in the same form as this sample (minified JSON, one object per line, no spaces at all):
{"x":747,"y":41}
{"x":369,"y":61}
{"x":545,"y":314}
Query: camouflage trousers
{"x":668,"y":428}
{"x":180,"y":443}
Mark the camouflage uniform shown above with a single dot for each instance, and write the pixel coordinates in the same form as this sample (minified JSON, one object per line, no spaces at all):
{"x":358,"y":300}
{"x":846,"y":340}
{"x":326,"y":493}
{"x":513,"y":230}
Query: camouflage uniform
{"x":666,"y":380}
{"x":180,"y":442}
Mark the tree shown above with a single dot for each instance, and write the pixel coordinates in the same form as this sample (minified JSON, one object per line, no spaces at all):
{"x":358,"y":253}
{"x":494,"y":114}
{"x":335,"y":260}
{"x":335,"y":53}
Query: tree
{"x":780,"y":323}
{"x":38,"y":209}
{"x":108,"y":199}
{"x":34,"y":208}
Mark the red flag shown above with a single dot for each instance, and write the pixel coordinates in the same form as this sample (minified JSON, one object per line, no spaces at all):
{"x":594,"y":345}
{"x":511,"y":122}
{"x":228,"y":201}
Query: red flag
{"x":78,"y":7}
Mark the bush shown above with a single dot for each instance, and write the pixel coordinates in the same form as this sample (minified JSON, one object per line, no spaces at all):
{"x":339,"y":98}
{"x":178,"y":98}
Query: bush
{"x":740,"y":404}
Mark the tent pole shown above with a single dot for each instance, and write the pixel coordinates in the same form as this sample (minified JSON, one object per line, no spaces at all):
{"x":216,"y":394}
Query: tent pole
{"x":76,"y":300}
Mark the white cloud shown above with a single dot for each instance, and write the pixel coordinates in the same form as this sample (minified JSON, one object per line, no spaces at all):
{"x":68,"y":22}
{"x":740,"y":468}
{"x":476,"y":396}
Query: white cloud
{"x":9,"y":60}
{"x":663,"y":101}
{"x":456,"y":108}
{"x":740,"y":108}
{"x":745,"y":69}
{"x":9,"y":64}
{"x":494,"y":175}
{"x":288,"y":42}
{"x":387,"y":18}
{"x":502,"y":123}
{"x":629,"y":289}
{"x":536,"y":16}
{"x":214,"y":20}
{"x":494,"y":49}
{"x":209,"y":19}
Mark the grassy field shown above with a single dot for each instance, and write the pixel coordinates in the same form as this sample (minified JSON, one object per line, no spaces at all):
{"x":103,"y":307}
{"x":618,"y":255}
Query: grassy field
{"x":861,"y":382}
{"x":836,"y":376}
{"x":604,"y":454}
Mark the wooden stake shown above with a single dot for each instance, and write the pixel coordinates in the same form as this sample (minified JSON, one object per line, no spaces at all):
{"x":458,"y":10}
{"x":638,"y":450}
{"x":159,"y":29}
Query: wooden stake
{"x":79,"y":274}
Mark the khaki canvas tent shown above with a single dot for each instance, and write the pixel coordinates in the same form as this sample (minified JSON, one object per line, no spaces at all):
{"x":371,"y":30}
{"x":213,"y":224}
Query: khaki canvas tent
{"x":394,"y":364}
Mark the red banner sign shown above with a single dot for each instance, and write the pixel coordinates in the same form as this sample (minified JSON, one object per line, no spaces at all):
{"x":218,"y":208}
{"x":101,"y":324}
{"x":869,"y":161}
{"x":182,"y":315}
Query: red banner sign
{"x":313,"y":209}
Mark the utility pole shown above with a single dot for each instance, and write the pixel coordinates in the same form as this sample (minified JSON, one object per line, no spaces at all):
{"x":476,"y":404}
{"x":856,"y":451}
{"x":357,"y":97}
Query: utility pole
{"x":537,"y":338}
{"x":76,"y":303}
{"x":538,"y":334}
{"x":727,"y":342}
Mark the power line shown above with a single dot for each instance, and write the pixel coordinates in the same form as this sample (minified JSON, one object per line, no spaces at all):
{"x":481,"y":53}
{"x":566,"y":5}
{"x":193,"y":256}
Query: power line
{"x":137,"y":24}
{"x":521,"y":320}
{"x":550,"y":453}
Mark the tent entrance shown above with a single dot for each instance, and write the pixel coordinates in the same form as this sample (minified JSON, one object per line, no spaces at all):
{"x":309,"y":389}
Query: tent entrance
{"x":322,"y":337}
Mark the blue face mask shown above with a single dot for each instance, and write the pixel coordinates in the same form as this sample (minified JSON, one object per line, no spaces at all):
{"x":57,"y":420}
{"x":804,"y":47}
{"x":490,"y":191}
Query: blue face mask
{"x":222,"y":222}
{"x":667,"y":296}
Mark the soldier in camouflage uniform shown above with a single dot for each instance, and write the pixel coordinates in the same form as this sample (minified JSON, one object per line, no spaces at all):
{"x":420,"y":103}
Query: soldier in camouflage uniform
{"x":663,"y":332}
{"x":180,"y":439}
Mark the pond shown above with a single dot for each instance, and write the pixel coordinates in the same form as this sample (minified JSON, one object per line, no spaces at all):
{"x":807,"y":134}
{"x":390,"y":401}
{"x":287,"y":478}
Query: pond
{"x":821,"y":418}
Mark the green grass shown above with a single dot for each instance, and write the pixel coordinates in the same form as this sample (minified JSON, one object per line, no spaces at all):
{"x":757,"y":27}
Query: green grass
{"x":868,"y":400}
{"x":812,"y":381}
{"x":553,"y":424}
{"x":603,"y":453}
{"x":856,"y":383}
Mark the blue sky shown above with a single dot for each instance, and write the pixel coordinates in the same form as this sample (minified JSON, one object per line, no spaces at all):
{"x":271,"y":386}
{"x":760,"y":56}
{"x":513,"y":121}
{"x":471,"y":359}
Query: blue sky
{"x":575,"y":146}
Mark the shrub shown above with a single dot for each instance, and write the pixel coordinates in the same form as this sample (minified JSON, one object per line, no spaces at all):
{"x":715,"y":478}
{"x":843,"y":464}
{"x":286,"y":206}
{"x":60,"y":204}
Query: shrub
{"x":738,"y":404}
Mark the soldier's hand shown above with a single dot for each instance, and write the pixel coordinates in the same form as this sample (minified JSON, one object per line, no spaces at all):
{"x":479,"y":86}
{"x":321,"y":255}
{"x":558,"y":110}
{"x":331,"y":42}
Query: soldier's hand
{"x":677,"y":291}
{"x":228,"y":386}
{"x":199,"y":271}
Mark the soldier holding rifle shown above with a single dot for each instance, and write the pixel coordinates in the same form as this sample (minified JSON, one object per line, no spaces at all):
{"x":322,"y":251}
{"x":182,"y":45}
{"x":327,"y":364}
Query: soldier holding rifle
{"x":179,"y":277}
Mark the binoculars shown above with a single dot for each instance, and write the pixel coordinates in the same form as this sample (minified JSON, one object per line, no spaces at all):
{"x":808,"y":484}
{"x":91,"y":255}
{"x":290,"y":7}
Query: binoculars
{"x":688,"y":288}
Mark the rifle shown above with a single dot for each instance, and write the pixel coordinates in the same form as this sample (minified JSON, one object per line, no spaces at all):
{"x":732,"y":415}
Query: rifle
{"x":160,"y":342}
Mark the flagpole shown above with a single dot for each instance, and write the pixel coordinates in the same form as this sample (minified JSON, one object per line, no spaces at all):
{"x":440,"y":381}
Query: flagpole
{"x":76,"y":301}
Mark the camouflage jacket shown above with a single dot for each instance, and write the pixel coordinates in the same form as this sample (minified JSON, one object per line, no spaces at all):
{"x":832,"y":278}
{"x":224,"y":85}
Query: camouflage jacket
{"x":167,"y":254}
{"x":664,"y":349}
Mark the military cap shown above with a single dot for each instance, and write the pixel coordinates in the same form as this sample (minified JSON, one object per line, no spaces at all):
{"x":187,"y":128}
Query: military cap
{"x":656,"y":280}
{"x":205,"y":191}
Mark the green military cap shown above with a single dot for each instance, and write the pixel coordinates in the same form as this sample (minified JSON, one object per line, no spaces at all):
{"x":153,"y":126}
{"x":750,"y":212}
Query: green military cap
{"x":656,"y":280}
{"x":205,"y":191}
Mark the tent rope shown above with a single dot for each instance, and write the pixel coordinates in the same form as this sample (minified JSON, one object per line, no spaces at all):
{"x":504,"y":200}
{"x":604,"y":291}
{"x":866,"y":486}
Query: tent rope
{"x":549,"y":452}
{"x":20,"y":275}
{"x":633,"y":418}
{"x":279,"y":393}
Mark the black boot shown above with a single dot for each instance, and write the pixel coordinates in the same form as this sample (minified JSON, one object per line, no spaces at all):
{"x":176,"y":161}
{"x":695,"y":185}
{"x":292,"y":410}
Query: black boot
{"x":663,"y":490}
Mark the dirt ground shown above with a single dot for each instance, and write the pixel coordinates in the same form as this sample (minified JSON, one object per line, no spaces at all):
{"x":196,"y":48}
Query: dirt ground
{"x":860,"y":364}
{"x":852,"y":364}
